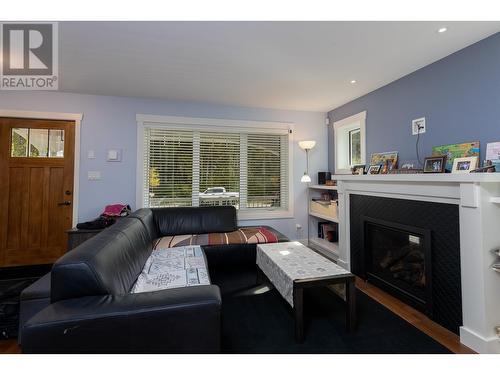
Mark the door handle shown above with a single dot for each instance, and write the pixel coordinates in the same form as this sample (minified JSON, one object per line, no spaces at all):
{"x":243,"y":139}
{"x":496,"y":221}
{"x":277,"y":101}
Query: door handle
{"x":65,"y":203}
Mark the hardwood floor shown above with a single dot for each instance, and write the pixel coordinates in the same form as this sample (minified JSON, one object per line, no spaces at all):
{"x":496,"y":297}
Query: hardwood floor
{"x":415,"y":318}
{"x":412,"y":316}
{"x":9,"y":347}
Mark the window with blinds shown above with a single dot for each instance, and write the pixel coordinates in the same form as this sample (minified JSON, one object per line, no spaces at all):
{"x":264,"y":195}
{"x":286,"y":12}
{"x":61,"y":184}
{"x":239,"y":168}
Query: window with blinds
{"x":245,"y":169}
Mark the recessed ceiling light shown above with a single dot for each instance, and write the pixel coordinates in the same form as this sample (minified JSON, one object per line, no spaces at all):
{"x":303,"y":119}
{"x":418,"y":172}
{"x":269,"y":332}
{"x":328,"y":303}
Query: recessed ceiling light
{"x":353,"y":81}
{"x":442,"y":29}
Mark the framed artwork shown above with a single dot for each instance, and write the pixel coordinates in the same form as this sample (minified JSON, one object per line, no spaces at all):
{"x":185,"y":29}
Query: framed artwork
{"x":493,"y":151}
{"x":435,"y":164}
{"x":384,"y":158}
{"x":457,"y":150}
{"x":465,"y":165}
{"x":374,"y":169}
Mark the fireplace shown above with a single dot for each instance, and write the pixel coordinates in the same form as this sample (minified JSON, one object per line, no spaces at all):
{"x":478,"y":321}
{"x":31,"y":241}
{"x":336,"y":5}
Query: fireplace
{"x":397,"y":258}
{"x":434,"y":227}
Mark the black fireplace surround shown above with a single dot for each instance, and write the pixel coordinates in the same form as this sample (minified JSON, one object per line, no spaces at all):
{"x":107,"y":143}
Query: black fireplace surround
{"x":411,"y":249}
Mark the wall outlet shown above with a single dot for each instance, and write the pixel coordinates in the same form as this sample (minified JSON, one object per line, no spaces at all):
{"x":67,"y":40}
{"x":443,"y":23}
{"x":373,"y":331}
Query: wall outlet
{"x":418,"y":126}
{"x":298,"y":226}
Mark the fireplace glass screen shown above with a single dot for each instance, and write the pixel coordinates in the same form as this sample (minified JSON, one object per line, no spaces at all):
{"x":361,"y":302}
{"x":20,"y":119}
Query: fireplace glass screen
{"x":396,"y":257}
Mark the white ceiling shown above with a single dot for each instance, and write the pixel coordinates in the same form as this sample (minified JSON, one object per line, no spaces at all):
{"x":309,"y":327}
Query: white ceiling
{"x":285,"y":65}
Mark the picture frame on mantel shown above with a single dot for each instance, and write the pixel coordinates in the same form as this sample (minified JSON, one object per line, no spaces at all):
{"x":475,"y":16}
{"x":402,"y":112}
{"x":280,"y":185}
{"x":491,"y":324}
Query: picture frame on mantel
{"x":435,"y":164}
{"x":465,"y":165}
{"x":374,"y":169}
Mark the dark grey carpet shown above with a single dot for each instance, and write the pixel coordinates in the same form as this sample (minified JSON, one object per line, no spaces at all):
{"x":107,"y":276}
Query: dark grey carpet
{"x":258,"y":320}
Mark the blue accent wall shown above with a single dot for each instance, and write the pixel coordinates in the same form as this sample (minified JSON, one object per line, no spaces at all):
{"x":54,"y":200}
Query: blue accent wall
{"x":458,"y":95}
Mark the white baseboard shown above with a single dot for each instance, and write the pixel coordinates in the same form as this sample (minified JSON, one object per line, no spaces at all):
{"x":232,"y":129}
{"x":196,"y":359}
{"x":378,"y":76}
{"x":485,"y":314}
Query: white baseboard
{"x":478,"y":343}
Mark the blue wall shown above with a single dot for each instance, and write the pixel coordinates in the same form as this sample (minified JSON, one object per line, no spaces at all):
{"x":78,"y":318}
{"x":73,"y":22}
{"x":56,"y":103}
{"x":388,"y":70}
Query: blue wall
{"x":459,"y":96}
{"x":110,"y":122}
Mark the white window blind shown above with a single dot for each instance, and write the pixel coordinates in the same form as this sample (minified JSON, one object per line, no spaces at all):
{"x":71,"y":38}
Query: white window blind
{"x":247,"y":169}
{"x":168,"y":168}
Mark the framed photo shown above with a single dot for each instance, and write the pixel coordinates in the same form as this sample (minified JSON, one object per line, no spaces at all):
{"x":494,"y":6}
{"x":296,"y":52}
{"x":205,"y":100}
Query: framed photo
{"x":358,"y":169}
{"x":457,"y":150}
{"x":384,"y":158}
{"x":435,"y":164}
{"x":465,"y":165}
{"x":374,"y":169}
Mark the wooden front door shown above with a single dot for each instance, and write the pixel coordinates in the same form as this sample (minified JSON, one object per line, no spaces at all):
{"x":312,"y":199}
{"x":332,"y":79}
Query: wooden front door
{"x":36,"y":189}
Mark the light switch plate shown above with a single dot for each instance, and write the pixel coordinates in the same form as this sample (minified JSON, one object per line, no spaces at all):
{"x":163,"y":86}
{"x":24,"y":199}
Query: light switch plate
{"x":91,"y":154}
{"x":114,"y":155}
{"x":94,"y":175}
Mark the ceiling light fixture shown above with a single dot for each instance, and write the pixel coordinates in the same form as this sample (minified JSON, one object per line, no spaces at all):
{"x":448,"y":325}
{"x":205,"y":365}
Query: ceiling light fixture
{"x":442,"y":29}
{"x":353,"y":81}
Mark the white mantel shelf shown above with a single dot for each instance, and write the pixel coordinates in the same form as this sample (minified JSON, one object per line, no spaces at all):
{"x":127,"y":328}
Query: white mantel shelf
{"x":477,"y":196}
{"x":422,"y":177}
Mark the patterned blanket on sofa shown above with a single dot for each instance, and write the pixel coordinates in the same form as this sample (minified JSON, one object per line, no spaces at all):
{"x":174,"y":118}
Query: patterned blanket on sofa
{"x":246,"y":235}
{"x":173,"y":268}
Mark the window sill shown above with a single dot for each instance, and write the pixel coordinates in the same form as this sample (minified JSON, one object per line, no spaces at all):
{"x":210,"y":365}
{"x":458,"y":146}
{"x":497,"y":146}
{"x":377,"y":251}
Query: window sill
{"x":265,"y":214}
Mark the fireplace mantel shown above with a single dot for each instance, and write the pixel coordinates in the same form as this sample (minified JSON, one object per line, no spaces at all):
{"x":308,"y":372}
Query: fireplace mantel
{"x":423,"y":177}
{"x":477,"y":195}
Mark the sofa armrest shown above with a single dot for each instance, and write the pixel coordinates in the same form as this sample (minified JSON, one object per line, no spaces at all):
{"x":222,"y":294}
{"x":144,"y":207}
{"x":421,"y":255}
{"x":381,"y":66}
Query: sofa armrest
{"x":281,"y":237}
{"x":177,"y":320}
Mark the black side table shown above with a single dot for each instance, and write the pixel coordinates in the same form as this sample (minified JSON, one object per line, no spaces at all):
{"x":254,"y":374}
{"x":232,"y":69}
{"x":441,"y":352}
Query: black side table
{"x":77,"y":236}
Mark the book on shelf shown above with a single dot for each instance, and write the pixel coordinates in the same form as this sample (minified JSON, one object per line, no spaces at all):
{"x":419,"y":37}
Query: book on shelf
{"x":328,"y":231}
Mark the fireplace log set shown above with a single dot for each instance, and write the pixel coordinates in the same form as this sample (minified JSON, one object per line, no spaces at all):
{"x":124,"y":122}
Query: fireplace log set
{"x":405,"y":263}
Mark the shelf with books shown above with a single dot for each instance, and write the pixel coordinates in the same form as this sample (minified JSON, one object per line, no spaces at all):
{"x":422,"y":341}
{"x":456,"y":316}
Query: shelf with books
{"x":323,"y":220}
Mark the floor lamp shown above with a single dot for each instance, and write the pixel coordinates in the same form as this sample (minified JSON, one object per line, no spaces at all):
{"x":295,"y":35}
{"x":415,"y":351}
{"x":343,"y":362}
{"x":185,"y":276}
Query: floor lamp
{"x":306,"y":146}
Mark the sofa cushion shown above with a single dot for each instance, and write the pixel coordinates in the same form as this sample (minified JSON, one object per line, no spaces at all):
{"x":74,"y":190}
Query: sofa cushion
{"x":108,"y":263}
{"x":247,"y":235}
{"x":173,"y":268}
{"x":172,"y":221}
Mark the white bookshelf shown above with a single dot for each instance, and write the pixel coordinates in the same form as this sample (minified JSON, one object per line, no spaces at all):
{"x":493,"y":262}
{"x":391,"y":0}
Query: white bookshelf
{"x":322,"y":187}
{"x":324,"y":217}
{"x":324,"y":247}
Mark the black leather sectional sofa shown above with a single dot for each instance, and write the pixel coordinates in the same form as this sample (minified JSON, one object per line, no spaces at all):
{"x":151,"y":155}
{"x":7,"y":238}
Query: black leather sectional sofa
{"x":85,"y":306}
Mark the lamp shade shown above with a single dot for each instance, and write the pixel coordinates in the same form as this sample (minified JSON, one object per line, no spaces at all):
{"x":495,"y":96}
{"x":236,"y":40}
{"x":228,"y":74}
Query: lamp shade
{"x":307,"y":145}
{"x":305,"y":178}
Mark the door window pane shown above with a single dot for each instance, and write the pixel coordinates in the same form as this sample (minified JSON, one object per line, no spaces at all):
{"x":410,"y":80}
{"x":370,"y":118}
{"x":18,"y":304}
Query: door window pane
{"x":39,"y":143}
{"x":56,"y":143}
{"x":19,"y":142}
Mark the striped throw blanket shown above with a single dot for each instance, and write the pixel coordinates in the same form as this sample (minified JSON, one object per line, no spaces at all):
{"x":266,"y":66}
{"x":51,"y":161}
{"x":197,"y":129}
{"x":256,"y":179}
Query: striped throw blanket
{"x":247,"y":235}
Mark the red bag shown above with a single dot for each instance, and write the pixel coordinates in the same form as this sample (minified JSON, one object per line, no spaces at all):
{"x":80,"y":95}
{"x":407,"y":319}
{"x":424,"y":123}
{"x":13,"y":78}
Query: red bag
{"x":116,"y":210}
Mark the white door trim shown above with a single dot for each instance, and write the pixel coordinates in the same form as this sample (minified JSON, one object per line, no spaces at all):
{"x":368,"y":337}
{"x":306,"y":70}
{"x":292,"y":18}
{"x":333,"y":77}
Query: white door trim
{"x":77,"y":118}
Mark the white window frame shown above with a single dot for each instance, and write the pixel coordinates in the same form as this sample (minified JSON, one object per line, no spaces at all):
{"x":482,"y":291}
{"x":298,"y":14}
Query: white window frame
{"x":341,"y":130}
{"x":220,"y":125}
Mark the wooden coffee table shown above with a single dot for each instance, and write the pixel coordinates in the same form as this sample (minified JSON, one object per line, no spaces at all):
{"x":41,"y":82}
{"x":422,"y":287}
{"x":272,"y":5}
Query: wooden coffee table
{"x":292,"y":267}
